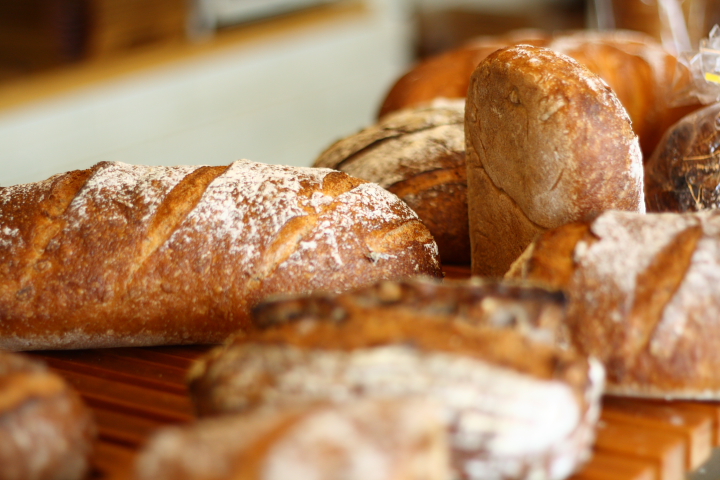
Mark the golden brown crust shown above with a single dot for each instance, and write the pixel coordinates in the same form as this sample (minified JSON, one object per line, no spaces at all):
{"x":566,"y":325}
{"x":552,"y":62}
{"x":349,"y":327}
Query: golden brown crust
{"x":134,"y":255}
{"x":548,"y":143}
{"x":643,"y":75}
{"x":640,"y":298}
{"x":419,"y":155}
{"x":46,"y":432}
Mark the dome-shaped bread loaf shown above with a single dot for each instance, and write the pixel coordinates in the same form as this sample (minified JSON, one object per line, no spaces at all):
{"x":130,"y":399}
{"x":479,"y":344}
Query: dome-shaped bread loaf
{"x":419,"y":155}
{"x":683,"y":174}
{"x":137,"y":255}
{"x":547,"y":143}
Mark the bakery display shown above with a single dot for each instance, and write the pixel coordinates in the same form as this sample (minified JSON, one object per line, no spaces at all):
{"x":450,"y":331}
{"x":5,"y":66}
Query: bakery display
{"x":419,"y":155}
{"x":515,"y":404}
{"x":396,"y":439}
{"x":127,"y":255}
{"x":683,"y":174}
{"x":46,"y":431}
{"x":542,"y":150}
{"x":648,"y":80}
{"x":642,"y":297}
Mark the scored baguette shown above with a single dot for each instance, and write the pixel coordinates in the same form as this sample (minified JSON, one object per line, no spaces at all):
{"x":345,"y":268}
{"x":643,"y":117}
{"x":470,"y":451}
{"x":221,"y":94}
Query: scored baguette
{"x":134,"y":255}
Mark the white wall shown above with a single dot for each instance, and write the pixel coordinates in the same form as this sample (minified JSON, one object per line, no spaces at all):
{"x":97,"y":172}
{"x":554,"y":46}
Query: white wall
{"x":281,"y":101}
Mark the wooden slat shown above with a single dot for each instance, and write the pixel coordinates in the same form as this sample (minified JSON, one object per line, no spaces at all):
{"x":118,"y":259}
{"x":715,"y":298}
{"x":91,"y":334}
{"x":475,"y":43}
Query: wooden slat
{"x":665,"y":449}
{"x":610,"y":466}
{"x":695,"y":426}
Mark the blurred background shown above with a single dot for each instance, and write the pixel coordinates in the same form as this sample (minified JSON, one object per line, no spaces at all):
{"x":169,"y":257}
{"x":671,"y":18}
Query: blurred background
{"x":166,"y":82}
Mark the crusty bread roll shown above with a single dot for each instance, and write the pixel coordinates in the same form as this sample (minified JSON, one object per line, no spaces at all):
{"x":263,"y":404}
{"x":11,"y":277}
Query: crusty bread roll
{"x":683,"y":174}
{"x":547,"y":143}
{"x":135,"y":255}
{"x":419,"y":155}
{"x":643,"y":297}
{"x":646,"y":78}
{"x":516,"y":406}
{"x":394,"y":439}
{"x":46,"y":431}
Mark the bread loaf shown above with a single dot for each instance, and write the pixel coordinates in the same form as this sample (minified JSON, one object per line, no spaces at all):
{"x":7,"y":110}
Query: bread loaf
{"x":683,"y":174}
{"x":645,"y":77}
{"x":643,"y":297}
{"x":46,"y":432}
{"x":133,"y":255}
{"x":515,"y":405}
{"x":399,"y":439}
{"x":419,"y":155}
{"x":547,"y":143}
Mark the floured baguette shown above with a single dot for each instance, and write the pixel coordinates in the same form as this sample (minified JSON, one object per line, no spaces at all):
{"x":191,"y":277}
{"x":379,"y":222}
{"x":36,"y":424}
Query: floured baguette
{"x":398,"y":439}
{"x":643,"y":297}
{"x":134,"y":255}
{"x":46,"y":431}
{"x":516,"y":406}
{"x":547,"y":143}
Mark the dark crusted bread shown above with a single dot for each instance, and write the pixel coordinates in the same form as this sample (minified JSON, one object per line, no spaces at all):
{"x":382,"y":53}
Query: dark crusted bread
{"x":683,"y":174}
{"x":419,"y":155}
{"x":46,"y":432}
{"x":547,"y":143}
{"x":134,"y":255}
{"x":516,"y":405}
{"x":394,"y":439}
{"x":643,"y":297}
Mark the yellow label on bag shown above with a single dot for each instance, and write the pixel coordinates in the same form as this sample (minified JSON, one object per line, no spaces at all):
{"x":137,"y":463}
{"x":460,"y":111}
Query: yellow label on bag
{"x":712,"y":77}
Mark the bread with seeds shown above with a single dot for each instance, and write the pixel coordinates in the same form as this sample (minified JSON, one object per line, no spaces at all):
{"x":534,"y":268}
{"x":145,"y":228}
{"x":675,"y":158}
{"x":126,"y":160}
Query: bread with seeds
{"x":128,"y":255}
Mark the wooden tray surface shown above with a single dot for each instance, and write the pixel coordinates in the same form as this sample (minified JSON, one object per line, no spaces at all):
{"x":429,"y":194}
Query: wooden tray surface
{"x":134,"y":391}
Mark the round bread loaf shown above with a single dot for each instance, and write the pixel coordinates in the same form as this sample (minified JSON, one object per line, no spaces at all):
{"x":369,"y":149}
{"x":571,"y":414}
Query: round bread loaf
{"x":46,"y":432}
{"x":547,"y":143}
{"x":683,"y":174}
{"x":395,"y":439}
{"x":643,"y":297}
{"x":516,"y":406}
{"x":120,"y":254}
{"x":647,"y":79}
{"x":419,"y":155}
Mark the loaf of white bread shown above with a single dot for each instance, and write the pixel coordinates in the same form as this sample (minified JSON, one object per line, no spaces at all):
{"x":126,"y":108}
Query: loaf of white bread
{"x":120,"y":255}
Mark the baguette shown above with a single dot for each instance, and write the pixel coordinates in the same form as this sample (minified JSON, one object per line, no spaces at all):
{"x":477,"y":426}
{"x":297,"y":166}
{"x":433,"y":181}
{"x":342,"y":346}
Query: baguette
{"x":46,"y":431}
{"x":643,"y":297}
{"x":516,"y":406}
{"x":123,"y":255}
{"x":542,"y":149}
